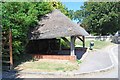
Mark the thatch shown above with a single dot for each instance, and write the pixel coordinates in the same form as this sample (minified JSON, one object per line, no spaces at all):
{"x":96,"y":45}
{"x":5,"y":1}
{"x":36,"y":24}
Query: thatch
{"x":55,"y":25}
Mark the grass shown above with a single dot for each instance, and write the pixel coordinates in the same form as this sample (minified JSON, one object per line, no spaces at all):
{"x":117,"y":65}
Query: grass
{"x":50,"y":65}
{"x":79,"y":61}
{"x":97,"y":44}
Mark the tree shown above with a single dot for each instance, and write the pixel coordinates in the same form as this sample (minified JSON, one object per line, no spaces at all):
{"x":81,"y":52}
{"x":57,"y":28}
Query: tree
{"x":99,"y":18}
{"x":62,"y":8}
{"x":20,"y":16}
{"x":71,"y":14}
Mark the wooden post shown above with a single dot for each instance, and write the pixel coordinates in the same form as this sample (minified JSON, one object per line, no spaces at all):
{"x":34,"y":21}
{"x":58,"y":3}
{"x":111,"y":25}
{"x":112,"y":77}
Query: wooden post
{"x":60,"y":45}
{"x":10,"y":48}
{"x":83,"y":41}
{"x":72,"y":50}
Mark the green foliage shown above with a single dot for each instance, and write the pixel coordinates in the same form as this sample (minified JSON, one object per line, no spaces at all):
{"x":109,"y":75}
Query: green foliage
{"x":61,"y":7}
{"x":20,"y":16}
{"x":79,"y":61}
{"x":64,"y":44}
{"x":100,"y":18}
{"x":0,"y":10}
{"x":71,"y":14}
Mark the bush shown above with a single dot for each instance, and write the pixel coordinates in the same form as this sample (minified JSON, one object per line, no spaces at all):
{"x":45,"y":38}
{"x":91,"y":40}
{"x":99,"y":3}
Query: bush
{"x":64,"y":44}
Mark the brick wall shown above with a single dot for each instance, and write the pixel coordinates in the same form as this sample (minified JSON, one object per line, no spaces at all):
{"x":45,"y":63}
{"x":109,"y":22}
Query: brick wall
{"x":59,"y":57}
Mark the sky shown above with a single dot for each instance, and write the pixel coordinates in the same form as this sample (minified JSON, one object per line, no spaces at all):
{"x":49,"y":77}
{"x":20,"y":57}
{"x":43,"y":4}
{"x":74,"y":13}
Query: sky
{"x":73,"y":6}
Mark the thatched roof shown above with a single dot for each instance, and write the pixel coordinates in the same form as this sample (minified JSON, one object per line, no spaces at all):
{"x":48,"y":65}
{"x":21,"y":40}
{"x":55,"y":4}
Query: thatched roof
{"x":55,"y":25}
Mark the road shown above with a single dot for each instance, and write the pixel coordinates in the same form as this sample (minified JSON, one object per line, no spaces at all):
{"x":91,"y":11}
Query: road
{"x":113,"y":51}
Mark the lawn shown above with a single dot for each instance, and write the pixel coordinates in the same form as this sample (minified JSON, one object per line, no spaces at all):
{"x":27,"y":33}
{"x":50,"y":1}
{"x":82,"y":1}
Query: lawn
{"x":97,"y":44}
{"x":49,"y":66}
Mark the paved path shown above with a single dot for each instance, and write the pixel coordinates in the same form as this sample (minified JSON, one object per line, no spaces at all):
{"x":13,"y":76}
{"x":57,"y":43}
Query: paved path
{"x":113,"y":73}
{"x":95,"y":60}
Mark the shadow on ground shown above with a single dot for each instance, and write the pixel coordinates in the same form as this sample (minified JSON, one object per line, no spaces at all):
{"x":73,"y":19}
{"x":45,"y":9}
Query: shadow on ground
{"x":13,"y":74}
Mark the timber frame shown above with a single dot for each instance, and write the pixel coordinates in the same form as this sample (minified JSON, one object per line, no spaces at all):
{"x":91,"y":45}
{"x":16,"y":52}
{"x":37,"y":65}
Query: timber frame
{"x":71,"y":43}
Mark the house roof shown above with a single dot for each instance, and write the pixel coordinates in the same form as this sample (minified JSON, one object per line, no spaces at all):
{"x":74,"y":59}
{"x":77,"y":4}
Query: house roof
{"x":55,"y":25}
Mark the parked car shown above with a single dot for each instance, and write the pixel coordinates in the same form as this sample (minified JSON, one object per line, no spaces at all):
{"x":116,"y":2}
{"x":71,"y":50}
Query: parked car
{"x":116,"y":38}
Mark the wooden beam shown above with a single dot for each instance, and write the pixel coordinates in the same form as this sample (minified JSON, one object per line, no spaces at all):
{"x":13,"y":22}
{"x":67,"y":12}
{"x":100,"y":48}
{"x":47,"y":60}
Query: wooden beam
{"x":60,"y":46}
{"x":72,"y":46}
{"x":66,"y":40}
{"x":83,"y":41}
{"x":10,"y":47}
{"x":80,"y":38}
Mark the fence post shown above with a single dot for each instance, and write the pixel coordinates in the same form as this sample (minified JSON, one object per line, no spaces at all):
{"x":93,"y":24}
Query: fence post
{"x":10,"y":48}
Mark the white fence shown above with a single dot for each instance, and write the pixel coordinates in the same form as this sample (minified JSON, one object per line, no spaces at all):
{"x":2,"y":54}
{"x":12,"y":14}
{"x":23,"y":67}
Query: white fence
{"x":102,"y":38}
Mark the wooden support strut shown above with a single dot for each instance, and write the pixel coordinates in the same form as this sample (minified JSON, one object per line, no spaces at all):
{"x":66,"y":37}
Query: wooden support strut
{"x":83,"y":40}
{"x":10,"y":47}
{"x":80,"y":38}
